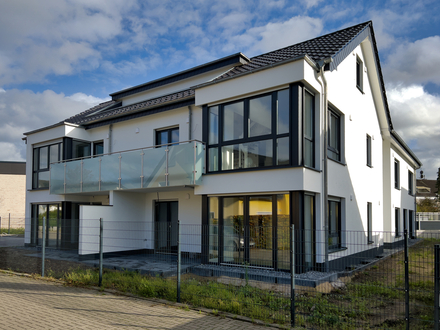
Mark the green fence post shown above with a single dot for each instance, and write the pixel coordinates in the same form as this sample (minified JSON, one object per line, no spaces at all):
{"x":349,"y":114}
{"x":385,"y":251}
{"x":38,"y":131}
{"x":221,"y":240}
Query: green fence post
{"x":101,"y":239}
{"x":43,"y":247}
{"x":292,"y":276}
{"x":179,"y":256}
{"x":405,"y":237}
{"x":436,"y":285}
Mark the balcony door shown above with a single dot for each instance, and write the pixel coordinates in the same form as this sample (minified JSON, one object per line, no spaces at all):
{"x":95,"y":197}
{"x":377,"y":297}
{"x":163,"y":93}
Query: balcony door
{"x":166,"y":233}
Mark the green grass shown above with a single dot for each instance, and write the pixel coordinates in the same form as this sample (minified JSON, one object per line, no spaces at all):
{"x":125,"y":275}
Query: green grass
{"x":12,"y":231}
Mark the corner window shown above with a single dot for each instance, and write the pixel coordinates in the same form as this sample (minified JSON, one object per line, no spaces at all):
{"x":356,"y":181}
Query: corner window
{"x":370,"y":222}
{"x":359,"y":74}
{"x":410,"y":183}
{"x":167,"y":136}
{"x":334,"y":135}
{"x":334,"y":225}
{"x":397,"y":221}
{"x":309,"y":130}
{"x":98,"y":148}
{"x":249,"y":133}
{"x":42,"y":157}
{"x":369,"y":151}
{"x":396,"y":174}
{"x":80,"y":149}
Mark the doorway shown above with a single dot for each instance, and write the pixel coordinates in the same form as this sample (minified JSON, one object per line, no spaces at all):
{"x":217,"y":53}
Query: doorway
{"x":166,"y":234}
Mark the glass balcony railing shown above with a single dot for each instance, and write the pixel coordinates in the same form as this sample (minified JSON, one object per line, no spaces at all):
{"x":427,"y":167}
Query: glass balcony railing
{"x":158,"y":166}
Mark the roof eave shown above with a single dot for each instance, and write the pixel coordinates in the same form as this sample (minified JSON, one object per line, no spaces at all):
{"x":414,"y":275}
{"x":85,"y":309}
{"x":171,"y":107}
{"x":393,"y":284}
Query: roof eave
{"x":404,"y":146}
{"x":62,"y":123}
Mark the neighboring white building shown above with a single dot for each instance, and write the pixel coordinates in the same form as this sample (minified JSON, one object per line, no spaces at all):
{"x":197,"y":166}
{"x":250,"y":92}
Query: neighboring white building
{"x":254,"y":166}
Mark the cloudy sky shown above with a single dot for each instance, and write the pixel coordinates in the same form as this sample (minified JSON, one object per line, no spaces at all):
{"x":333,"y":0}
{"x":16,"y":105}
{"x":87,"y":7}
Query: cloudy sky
{"x":60,"y":57}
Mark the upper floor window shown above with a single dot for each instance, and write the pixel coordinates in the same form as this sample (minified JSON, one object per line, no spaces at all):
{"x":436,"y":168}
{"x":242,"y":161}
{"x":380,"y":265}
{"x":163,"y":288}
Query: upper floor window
{"x":81,"y":149}
{"x":42,"y":157}
{"x":410,"y":183}
{"x":98,"y":148}
{"x":167,"y":136}
{"x":309,"y":130}
{"x":249,"y":133}
{"x":369,"y":151}
{"x":396,"y":174}
{"x":359,"y":74}
{"x":334,"y":135}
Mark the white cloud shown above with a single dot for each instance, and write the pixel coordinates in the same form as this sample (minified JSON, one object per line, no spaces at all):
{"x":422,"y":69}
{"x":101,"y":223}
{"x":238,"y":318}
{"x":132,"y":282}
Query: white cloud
{"x":10,"y":152}
{"x":415,"y":62}
{"x":416,"y":117}
{"x":277,"y":35}
{"x":23,"y":111}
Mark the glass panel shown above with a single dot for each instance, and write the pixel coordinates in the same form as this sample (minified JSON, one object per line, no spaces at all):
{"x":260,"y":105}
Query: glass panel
{"x":131,"y":169}
{"x":309,"y":229}
{"x":54,"y":153}
{"x":213,"y":229}
{"x":283,"y":151}
{"x":98,"y":148}
{"x":35,"y":163}
{"x":80,"y":149}
{"x":334,"y":240}
{"x":260,"y":116}
{"x":283,"y":231}
{"x":175,"y":135}
{"x":57,"y":178}
{"x":52,"y":226}
{"x":43,"y":179}
{"x":180,"y":164}
{"x":257,"y":154}
{"x":283,"y":112}
{"x":213,"y":159}
{"x":233,"y":123}
{"x":73,"y":176}
{"x":309,"y":153}
{"x":110,"y":172}
{"x":43,"y":158}
{"x":213,"y":125}
{"x":308,"y":116}
{"x":174,"y":234}
{"x":260,"y":231}
{"x":42,"y":214}
{"x":200,"y":161}
{"x":162,"y":137}
{"x":90,"y":174}
{"x":233,"y":230}
{"x":161,"y":226}
{"x":154,"y":167}
{"x":230,"y":157}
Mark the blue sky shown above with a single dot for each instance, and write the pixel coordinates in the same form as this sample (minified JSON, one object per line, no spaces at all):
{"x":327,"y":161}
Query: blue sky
{"x":60,"y":57}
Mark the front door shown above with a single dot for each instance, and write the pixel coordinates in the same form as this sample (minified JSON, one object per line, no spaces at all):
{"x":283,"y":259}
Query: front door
{"x":166,"y":227}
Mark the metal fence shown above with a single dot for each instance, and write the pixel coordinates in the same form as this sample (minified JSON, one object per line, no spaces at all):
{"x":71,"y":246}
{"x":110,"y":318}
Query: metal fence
{"x":383,"y":280}
{"x":12,"y":224}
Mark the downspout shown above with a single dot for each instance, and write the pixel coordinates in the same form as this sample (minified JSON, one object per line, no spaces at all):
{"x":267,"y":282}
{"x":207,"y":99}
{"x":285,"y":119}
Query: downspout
{"x":321,"y":66}
{"x":189,"y":122}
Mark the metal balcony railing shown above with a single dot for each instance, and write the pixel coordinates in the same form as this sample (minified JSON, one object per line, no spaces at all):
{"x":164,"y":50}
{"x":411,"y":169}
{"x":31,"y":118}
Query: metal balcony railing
{"x":158,"y":166}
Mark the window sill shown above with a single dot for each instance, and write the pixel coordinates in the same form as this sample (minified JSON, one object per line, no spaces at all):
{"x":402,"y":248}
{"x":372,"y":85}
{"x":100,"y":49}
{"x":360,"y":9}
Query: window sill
{"x":337,"y":161}
{"x":370,"y":242}
{"x":397,"y":188}
{"x":370,"y":166}
{"x":36,"y":189}
{"x":360,"y":89}
{"x":337,"y":250}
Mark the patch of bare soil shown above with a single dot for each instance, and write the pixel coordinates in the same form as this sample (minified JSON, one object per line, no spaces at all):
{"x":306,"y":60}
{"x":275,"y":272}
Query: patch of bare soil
{"x":18,"y":260}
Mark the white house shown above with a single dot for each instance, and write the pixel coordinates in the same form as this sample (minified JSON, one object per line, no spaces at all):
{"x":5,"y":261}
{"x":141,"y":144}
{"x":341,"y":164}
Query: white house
{"x":238,"y":148}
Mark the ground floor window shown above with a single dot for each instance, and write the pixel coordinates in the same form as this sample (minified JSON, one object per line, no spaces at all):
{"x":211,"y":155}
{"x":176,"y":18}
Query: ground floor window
{"x":334,"y":224}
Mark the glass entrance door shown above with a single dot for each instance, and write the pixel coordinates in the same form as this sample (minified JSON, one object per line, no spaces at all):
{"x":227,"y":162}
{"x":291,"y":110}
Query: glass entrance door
{"x":260,"y":230}
{"x":166,"y":227}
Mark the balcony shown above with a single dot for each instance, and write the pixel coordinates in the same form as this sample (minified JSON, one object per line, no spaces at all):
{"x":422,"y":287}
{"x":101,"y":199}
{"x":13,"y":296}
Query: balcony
{"x":159,"y":166}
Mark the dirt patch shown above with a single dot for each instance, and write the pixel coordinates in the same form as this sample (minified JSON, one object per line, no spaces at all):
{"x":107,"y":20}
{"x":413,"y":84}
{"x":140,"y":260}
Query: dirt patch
{"x":18,"y":260}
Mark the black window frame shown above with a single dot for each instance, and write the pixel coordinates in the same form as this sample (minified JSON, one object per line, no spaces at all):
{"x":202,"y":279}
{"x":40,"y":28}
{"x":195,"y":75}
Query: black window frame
{"x":273,"y":137}
{"x":311,"y":138}
{"x":396,"y":174}
{"x":169,"y":132}
{"x":338,"y":230}
{"x":410,"y":183}
{"x":369,"y":156}
{"x":36,"y":163}
{"x":337,"y":150}
{"x":359,"y":74}
{"x":370,"y":222}
{"x":397,"y":221}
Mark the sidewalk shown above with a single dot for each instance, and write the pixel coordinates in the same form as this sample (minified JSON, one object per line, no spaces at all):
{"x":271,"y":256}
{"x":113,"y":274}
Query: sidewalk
{"x":27,"y":303}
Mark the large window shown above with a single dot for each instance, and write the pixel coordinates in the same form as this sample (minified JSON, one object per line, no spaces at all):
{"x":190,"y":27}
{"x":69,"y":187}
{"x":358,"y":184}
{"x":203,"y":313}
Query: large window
{"x":396,"y":174}
{"x":334,"y":224}
{"x":249,"y":133}
{"x":334,"y":135}
{"x":410,"y":183}
{"x":309,"y":130}
{"x":369,"y":151}
{"x":42,"y":158}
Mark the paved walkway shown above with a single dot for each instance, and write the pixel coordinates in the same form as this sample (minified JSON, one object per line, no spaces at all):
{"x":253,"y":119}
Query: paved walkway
{"x":26,"y":303}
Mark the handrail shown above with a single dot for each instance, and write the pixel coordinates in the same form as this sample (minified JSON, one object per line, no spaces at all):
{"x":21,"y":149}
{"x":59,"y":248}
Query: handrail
{"x":129,"y":150}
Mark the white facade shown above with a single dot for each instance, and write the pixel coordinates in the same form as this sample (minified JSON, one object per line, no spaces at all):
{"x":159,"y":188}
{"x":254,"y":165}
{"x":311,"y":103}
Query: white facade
{"x":355,"y":184}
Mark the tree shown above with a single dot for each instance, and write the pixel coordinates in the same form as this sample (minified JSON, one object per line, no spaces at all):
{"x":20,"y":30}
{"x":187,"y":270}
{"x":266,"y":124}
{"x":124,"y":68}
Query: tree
{"x":428,"y":205}
{"x":437,"y":184}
